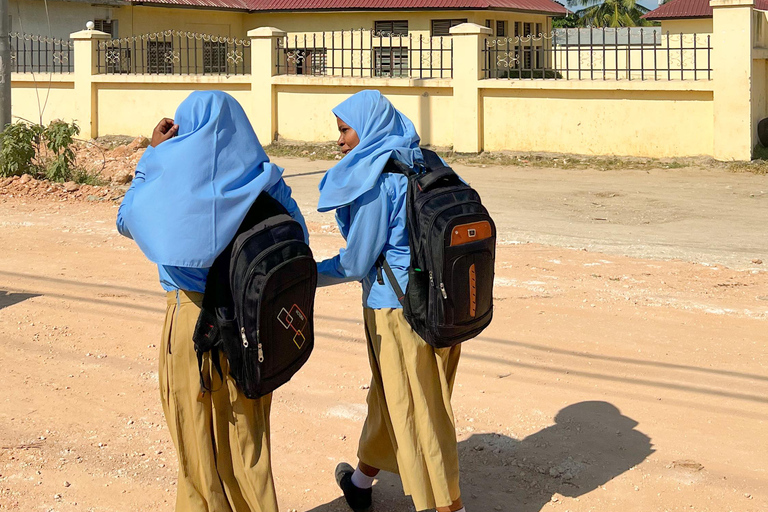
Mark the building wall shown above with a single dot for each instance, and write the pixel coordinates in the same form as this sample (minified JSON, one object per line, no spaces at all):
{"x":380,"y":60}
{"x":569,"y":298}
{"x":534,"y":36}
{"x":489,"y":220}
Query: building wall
{"x":69,"y":17}
{"x":418,"y":22}
{"x":138,"y":20}
{"x":694,"y":26}
{"x":29,"y":16}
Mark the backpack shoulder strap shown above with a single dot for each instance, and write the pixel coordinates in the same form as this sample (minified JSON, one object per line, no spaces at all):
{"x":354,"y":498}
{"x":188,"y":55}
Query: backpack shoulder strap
{"x":432,"y":160}
{"x":381,"y":263}
{"x":397,"y":167}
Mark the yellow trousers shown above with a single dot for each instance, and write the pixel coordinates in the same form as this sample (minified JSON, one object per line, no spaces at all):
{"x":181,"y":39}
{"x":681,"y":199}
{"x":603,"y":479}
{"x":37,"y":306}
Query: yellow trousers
{"x":410,"y":428}
{"x":221,"y":437}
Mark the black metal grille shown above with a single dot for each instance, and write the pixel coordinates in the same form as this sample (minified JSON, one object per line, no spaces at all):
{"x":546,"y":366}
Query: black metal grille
{"x":365,"y":53}
{"x":600,"y":54}
{"x":174,"y":53}
{"x":39,"y":54}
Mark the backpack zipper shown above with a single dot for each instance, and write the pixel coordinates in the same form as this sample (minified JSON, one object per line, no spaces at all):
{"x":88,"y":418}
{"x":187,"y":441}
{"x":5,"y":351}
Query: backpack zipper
{"x":245,"y":340}
{"x":261,"y":353}
{"x":442,"y":289}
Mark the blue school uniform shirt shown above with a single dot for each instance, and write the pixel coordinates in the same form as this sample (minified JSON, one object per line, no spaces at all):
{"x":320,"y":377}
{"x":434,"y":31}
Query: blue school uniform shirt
{"x":193,"y":279}
{"x":373,"y":223}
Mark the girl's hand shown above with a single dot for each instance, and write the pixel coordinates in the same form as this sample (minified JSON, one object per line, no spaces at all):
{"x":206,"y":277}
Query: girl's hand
{"x":164,"y":130}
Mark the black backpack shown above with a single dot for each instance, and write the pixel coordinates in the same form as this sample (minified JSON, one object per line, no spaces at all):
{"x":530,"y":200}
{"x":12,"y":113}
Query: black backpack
{"x":259,"y":300}
{"x":449,"y":298}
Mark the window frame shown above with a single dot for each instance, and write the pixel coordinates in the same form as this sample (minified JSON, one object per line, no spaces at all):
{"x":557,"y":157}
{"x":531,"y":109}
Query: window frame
{"x":398,"y":66}
{"x":393,"y":30}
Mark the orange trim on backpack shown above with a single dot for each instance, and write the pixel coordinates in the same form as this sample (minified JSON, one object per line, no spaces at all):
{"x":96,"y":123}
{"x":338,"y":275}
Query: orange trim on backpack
{"x":467,"y":233}
{"x":472,"y":291}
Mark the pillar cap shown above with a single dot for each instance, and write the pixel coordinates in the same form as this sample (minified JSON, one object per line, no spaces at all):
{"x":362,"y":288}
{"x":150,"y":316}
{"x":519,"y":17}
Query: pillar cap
{"x":89,"y":34}
{"x":264,"y":32}
{"x":470,"y":29}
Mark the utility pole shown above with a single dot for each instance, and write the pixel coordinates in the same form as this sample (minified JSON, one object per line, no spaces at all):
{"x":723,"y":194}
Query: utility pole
{"x":5,"y":66}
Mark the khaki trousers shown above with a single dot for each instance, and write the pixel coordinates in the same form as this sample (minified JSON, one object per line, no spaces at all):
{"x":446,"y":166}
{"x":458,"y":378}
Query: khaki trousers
{"x":221,"y":437}
{"x":410,"y":428}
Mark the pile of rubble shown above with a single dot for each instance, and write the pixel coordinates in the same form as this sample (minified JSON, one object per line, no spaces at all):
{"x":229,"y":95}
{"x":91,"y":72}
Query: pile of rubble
{"x":114,"y":166}
{"x":28,"y":187}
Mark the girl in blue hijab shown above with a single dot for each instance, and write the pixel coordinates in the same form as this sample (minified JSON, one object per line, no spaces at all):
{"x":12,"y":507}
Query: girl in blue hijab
{"x":191,"y":191}
{"x":410,"y":427}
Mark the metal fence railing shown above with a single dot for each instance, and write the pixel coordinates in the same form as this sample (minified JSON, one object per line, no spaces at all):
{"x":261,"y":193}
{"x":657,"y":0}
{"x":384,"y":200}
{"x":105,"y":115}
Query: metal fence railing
{"x":365,"y":53}
{"x":600,"y":54}
{"x":174,"y":53}
{"x":39,"y":54}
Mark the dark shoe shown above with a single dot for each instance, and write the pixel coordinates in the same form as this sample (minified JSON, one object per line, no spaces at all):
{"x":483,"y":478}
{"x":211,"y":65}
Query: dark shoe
{"x":358,"y":499}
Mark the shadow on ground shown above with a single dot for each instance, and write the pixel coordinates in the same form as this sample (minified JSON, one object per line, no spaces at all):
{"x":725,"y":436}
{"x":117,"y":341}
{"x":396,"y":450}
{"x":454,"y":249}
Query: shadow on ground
{"x":8,"y":299}
{"x":589,"y":444}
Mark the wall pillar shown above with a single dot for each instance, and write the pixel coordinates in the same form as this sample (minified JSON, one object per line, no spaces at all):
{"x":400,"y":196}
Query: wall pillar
{"x":468,"y":41}
{"x":732,"y":28}
{"x":264,"y":57}
{"x":86,"y":44}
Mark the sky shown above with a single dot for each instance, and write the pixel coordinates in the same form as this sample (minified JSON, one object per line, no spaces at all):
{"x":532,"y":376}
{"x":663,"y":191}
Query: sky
{"x":651,"y":4}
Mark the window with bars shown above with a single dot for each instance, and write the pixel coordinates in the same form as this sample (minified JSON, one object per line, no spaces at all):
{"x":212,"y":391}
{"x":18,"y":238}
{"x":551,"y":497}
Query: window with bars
{"x":391,"y":61}
{"x":108,"y":26}
{"x":306,"y":61}
{"x":527,"y":28}
{"x":538,"y":29}
{"x":443,"y":27}
{"x":214,"y":57}
{"x":501,"y":28}
{"x":391,"y":27}
{"x":517,"y":28}
{"x":159,"y":57}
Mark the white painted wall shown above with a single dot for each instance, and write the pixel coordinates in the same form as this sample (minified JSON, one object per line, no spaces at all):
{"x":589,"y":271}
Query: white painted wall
{"x":29,"y":16}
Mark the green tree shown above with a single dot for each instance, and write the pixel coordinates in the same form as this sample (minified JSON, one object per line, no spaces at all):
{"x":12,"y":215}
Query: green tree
{"x":610,"y":13}
{"x":568,"y":21}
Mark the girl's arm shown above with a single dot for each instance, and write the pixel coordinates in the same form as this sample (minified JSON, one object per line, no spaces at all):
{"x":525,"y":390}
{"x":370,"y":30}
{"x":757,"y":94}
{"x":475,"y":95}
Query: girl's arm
{"x":125,"y":206}
{"x":365,"y":242}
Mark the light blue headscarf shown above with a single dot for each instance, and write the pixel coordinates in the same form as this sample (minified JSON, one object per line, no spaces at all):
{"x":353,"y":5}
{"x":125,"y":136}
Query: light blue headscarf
{"x":200,"y":184}
{"x":384,"y":132}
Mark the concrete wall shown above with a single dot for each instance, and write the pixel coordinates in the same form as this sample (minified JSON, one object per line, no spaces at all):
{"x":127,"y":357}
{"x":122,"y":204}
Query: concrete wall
{"x":692,"y":26}
{"x":653,"y":118}
{"x":134,"y":105}
{"x":304,"y":106}
{"x":53,"y":99}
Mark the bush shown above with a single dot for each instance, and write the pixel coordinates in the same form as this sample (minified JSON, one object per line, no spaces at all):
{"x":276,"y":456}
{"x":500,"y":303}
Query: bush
{"x":17,"y":149}
{"x":45,"y":152}
{"x":59,"y":137}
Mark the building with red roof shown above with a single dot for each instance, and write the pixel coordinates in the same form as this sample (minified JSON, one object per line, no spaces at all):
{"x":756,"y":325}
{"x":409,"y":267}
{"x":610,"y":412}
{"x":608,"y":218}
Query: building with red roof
{"x":233,"y":18}
{"x":689,"y":16}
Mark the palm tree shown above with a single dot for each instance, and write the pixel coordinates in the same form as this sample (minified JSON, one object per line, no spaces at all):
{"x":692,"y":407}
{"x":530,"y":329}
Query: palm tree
{"x":610,"y":13}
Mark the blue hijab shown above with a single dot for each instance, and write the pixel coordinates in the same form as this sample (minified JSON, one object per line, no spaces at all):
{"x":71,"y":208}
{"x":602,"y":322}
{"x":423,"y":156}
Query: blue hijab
{"x":384,"y":132}
{"x":200,"y":184}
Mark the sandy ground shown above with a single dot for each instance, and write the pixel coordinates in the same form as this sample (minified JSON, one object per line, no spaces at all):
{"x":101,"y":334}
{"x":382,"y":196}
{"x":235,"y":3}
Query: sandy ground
{"x":612,"y":378}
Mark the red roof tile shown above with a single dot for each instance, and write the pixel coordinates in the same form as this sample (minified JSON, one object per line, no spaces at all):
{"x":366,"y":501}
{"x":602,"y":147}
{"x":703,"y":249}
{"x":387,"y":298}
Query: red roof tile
{"x":540,"y":6}
{"x":241,"y":5}
{"x":682,"y":9}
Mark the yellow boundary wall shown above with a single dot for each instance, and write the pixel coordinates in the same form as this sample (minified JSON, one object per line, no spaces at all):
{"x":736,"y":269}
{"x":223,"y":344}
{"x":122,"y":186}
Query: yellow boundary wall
{"x":635,"y":118}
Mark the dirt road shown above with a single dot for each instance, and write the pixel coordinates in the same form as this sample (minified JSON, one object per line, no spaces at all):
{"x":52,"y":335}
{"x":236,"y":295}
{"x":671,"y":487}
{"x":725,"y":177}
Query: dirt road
{"x":606,"y":382}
